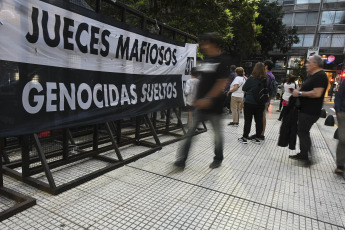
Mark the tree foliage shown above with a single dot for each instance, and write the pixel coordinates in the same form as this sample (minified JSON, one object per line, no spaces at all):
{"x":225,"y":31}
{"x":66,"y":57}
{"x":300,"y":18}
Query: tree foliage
{"x":245,"y":25}
{"x":299,"y":69}
{"x":274,"y":32}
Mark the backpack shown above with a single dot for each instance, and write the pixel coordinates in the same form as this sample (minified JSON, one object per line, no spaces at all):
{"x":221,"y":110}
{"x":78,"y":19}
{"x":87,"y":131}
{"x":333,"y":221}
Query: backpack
{"x":261,"y":92}
{"x":273,"y":86}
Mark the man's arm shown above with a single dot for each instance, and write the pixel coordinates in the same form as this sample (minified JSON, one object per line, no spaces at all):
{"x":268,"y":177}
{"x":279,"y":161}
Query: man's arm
{"x":315,"y":93}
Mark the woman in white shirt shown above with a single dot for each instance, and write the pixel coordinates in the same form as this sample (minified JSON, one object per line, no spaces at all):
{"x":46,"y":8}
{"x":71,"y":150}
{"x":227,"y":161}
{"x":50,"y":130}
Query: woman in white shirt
{"x":237,"y":95}
{"x":289,"y":87}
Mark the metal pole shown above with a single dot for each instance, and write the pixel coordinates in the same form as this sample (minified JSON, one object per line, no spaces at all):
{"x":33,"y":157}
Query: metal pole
{"x":98,"y":6}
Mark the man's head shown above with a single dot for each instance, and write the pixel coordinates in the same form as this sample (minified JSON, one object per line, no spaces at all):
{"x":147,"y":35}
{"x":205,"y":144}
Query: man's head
{"x":314,"y":63}
{"x":232,"y":68}
{"x":194,"y":72}
{"x":268,"y":65}
{"x":210,"y":44}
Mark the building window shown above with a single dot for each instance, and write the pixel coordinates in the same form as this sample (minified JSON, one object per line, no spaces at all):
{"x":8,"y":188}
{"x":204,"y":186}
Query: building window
{"x":325,"y":40}
{"x":339,"y":17}
{"x":307,"y":1}
{"x":333,"y":1}
{"x":308,"y":40}
{"x":338,"y":40}
{"x":305,"y":40}
{"x":302,"y":19}
{"x":332,"y":40}
{"x":287,"y":19}
{"x":312,"y":18}
{"x":333,"y":17}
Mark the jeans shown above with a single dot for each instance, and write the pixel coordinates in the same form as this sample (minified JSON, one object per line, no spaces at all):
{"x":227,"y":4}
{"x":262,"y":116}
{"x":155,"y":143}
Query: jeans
{"x":236,"y":108}
{"x":340,"y":154}
{"x":305,"y":122}
{"x":257,"y":111}
{"x":215,"y":120}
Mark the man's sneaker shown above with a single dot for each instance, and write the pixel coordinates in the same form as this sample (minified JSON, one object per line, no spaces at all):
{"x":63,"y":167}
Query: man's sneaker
{"x":252,"y":137}
{"x":339,"y":170}
{"x":233,"y":124}
{"x":215,"y":164}
{"x":256,"y":141}
{"x":180,"y":164}
{"x":298,"y":157}
{"x":242,"y":140}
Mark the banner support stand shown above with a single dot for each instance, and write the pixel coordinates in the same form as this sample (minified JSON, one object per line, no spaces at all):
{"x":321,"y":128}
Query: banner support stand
{"x":44,"y":162}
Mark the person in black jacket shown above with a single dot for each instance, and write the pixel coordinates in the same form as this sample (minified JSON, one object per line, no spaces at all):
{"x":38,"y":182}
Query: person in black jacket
{"x":251,"y":107}
{"x":339,"y":106}
{"x":288,"y":128}
{"x":311,"y":96}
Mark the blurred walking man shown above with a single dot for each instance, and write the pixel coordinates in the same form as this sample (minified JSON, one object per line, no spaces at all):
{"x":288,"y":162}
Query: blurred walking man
{"x":311,"y":97}
{"x":209,"y":100}
{"x":339,"y":106}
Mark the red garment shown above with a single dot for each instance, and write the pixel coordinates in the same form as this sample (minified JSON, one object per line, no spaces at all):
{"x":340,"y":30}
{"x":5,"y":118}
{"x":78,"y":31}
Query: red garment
{"x":285,"y":103}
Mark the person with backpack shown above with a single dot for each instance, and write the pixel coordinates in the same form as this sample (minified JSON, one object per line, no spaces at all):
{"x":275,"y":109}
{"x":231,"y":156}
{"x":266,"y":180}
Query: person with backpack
{"x":254,"y":103}
{"x":236,"y":95}
{"x":272,"y":86}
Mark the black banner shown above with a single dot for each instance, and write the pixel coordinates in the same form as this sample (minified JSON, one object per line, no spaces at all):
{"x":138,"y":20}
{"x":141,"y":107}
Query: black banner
{"x":35,"y":98}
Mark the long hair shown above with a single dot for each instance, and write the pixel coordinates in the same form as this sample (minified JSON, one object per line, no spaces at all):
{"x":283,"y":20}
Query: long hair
{"x":291,"y":79}
{"x":259,"y":71}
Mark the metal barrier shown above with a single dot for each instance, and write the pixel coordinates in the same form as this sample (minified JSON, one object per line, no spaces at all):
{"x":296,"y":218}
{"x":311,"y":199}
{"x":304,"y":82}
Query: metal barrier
{"x":12,"y":202}
{"x":46,"y":156}
{"x":45,"y":160}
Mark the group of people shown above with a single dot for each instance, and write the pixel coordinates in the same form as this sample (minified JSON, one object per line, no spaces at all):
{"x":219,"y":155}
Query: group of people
{"x":253,"y":94}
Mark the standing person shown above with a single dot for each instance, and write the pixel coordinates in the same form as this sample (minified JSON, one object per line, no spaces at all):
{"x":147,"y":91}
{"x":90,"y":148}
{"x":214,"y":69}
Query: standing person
{"x":251,"y":106}
{"x":289,"y":87}
{"x":281,"y":97}
{"x":190,"y":93}
{"x":339,"y":106}
{"x":229,"y":81}
{"x":209,"y":100}
{"x":237,"y":95}
{"x":270,"y":78}
{"x":311,"y":97}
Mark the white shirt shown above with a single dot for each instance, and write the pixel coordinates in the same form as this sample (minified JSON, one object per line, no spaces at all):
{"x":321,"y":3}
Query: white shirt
{"x":239,"y":80}
{"x":287,"y":94}
{"x":190,"y":90}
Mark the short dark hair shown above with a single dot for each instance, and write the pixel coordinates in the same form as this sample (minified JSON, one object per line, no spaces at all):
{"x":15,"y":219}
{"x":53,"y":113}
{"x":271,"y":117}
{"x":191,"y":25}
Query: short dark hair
{"x":269,"y":64}
{"x":212,"y":37}
{"x":232,"y":67}
{"x":194,"y":71}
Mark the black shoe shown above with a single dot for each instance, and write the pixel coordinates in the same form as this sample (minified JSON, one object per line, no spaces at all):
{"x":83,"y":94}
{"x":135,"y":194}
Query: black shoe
{"x":256,"y":141}
{"x":215,"y":164}
{"x":180,"y":164}
{"x":298,"y":157}
{"x":242,"y":140}
{"x":252,"y":137}
{"x":233,"y":124}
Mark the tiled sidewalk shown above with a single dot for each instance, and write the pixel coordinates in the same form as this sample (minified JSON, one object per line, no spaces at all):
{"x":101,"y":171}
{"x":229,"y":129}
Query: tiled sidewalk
{"x":257,"y":187}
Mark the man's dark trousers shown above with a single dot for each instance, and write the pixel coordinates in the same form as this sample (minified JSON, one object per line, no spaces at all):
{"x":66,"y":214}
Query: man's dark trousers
{"x":305,"y":122}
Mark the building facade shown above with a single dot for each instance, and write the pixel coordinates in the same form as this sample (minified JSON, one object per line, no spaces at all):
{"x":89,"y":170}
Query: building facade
{"x":321,"y":25}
